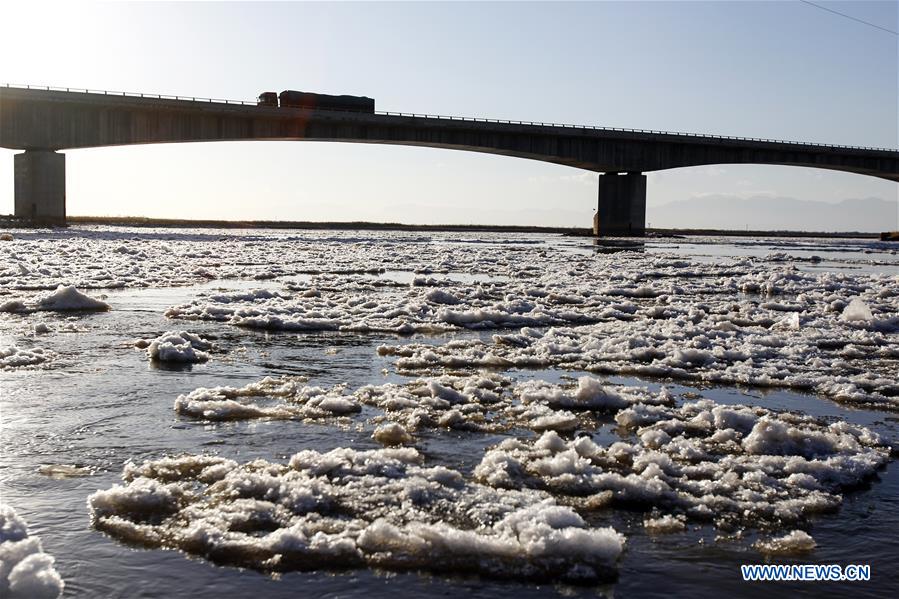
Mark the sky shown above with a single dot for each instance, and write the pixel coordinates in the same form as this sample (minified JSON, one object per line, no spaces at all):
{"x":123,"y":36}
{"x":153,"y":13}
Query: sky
{"x":779,"y":69}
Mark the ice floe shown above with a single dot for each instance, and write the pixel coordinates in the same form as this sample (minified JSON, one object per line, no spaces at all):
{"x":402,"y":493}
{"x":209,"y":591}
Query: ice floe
{"x":67,"y":298}
{"x":177,"y":346}
{"x":350,"y":509}
{"x":391,"y":433}
{"x":484,"y":402}
{"x":792,"y":543}
{"x":26,"y":572}
{"x":16,"y":357}
{"x":93,"y":257}
{"x":364,"y":307}
{"x":275,"y":398}
{"x":65,"y":470}
{"x":857,"y":311}
{"x":666,"y":524}
{"x":823,"y":354}
{"x":733,"y":465}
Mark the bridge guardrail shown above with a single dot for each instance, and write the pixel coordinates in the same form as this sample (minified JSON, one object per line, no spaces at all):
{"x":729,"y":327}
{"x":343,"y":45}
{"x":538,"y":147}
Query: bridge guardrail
{"x":450,"y":118}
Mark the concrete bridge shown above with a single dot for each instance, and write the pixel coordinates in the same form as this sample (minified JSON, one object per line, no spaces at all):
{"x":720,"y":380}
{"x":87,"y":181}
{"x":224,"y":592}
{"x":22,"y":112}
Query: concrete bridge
{"x":44,"y":121}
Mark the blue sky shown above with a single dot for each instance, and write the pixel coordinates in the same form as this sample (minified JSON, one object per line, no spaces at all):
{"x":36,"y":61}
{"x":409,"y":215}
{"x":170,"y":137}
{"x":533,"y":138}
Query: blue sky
{"x":764,"y":69}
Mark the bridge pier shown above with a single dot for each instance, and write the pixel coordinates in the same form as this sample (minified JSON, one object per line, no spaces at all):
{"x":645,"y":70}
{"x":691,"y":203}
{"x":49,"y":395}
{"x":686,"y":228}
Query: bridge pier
{"x":622,"y":206}
{"x":40,"y":186}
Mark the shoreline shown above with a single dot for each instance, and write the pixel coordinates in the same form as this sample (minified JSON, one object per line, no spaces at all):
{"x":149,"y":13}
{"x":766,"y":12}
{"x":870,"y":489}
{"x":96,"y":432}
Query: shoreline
{"x":130,"y":221}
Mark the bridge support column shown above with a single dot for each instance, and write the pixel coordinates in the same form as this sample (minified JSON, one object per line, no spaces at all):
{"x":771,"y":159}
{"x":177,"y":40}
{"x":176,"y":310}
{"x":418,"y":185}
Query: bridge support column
{"x":40,"y":186}
{"x":622,"y":205}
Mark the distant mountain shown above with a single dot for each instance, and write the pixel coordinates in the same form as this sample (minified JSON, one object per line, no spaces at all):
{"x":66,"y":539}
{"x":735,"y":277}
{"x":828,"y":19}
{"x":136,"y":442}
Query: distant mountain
{"x":776,"y":213}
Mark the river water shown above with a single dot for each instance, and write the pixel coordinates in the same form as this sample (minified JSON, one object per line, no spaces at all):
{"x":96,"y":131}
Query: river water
{"x":70,"y":423}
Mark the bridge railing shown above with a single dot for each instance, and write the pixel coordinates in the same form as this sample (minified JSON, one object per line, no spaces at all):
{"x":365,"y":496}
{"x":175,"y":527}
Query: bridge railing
{"x":105,"y":92}
{"x":451,"y":118}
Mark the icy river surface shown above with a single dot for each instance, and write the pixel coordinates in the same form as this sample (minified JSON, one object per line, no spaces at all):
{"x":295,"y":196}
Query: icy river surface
{"x":221,"y":413}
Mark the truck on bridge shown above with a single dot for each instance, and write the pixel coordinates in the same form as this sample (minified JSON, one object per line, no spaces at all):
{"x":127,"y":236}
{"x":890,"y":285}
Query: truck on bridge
{"x":296,"y":99}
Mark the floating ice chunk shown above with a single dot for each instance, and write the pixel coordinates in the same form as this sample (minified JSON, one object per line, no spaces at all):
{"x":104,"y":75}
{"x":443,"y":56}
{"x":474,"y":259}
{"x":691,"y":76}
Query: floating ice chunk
{"x":206,"y":468}
{"x":26,"y":572}
{"x":645,"y":292}
{"x":655,"y":438}
{"x":664,"y":524}
{"x":178,"y":346}
{"x":466,"y":402}
{"x":12,"y":528}
{"x":64,"y":470}
{"x":41,"y":328}
{"x":67,"y":298}
{"x":641,"y":414}
{"x":690,"y":358}
{"x":556,"y":421}
{"x":792,"y":543}
{"x":335,"y":405}
{"x":142,"y":496}
{"x":484,"y":402}
{"x":15,"y":357}
{"x":439,"y":296}
{"x":391,"y":434}
{"x":446,"y":393}
{"x":857,"y":311}
{"x":452,"y":419}
{"x":277,"y":323}
{"x":770,"y":436}
{"x":551,"y":441}
{"x":347,"y":508}
{"x":547,"y":531}
{"x":589,"y":394}
{"x":35,"y":577}
{"x":740,"y":418}
{"x":781,"y":307}
{"x":790,"y":322}
{"x":276,"y":398}
{"x":423,"y":281}
{"x":592,"y":393}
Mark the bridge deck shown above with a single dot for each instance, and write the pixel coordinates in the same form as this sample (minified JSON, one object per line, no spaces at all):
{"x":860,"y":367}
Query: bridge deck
{"x":57,"y":120}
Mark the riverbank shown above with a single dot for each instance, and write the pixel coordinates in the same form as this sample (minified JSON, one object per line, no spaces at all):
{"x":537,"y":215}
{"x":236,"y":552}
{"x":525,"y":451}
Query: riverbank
{"x":134,"y":221}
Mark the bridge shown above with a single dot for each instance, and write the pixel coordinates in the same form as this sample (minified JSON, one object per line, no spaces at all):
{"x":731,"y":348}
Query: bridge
{"x":44,"y":121}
